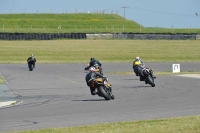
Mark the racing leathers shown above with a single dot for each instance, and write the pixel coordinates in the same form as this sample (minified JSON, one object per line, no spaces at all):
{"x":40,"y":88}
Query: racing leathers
{"x":138,"y":69}
{"x":95,"y":63}
{"x":31,"y":60}
{"x":90,"y":78}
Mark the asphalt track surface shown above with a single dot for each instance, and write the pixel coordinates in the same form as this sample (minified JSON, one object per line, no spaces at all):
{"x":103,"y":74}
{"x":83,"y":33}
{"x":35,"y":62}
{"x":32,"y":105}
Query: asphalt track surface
{"x":56,"y":95}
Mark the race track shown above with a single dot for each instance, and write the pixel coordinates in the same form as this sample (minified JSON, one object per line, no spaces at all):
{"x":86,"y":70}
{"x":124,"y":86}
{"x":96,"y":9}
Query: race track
{"x":56,"y":95}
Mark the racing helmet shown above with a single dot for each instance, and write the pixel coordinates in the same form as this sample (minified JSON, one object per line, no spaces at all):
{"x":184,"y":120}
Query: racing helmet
{"x":136,"y":63}
{"x":97,"y":67}
{"x":91,"y":59}
{"x":92,"y":69}
{"x":137,"y":57}
{"x":32,"y":55}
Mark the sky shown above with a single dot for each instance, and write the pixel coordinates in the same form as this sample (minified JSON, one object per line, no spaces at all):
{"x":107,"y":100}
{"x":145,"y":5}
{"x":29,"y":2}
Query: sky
{"x":148,"y":13}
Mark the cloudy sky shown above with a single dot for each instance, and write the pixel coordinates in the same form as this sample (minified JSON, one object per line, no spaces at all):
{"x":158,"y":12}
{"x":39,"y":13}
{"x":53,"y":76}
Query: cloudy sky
{"x":149,"y":13}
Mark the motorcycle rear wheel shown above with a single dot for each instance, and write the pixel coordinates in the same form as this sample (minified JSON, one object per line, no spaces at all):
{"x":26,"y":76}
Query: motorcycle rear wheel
{"x":30,"y":67}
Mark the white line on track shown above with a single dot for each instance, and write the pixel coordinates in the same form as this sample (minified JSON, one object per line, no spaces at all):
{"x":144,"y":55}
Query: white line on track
{"x":4,"y":78}
{"x":190,"y":75}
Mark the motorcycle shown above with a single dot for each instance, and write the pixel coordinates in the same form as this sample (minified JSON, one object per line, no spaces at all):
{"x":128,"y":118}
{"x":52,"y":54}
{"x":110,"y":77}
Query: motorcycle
{"x":147,"y":76}
{"x":103,"y":88}
{"x":30,"y":65}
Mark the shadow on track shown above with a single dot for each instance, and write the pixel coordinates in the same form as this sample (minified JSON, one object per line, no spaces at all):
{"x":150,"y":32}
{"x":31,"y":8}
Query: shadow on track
{"x":91,"y":100}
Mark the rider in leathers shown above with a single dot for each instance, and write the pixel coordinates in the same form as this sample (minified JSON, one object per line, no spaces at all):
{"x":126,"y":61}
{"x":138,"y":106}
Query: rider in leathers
{"x":93,"y":74}
{"x":95,"y":63}
{"x":142,"y":65}
{"x":33,"y":59}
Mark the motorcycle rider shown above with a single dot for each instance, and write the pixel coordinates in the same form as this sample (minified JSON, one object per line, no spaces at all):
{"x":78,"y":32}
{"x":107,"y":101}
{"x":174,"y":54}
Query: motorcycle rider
{"x":95,"y":63}
{"x":93,"y":74}
{"x":139,"y":63}
{"x":32,"y":58}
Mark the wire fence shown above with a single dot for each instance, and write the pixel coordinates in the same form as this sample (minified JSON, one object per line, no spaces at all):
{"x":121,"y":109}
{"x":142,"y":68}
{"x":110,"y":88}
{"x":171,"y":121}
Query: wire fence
{"x":91,"y":29}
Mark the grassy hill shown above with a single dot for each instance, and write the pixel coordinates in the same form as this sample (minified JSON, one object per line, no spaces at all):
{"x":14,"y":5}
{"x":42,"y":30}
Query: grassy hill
{"x":80,"y":22}
{"x":65,"y":23}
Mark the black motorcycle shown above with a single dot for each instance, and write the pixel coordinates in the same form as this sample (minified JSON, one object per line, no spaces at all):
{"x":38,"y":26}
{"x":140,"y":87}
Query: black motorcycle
{"x":145,"y":75}
{"x":31,"y":65}
{"x":148,"y":77}
{"x":104,"y":88}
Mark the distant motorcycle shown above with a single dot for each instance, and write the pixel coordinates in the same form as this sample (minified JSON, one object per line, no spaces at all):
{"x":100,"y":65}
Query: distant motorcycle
{"x":30,"y":65}
{"x":103,"y":88}
{"x":148,"y":77}
{"x":145,"y":74}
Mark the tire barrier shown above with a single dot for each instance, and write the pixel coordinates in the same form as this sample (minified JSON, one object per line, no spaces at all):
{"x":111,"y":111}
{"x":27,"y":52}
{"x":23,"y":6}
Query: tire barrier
{"x":52,"y":36}
{"x":41,"y":36}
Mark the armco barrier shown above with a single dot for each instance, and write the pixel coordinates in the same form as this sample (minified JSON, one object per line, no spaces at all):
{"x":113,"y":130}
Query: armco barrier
{"x":100,"y":36}
{"x":154,"y":36}
{"x":143,"y":36}
{"x":197,"y":37}
{"x":41,"y":36}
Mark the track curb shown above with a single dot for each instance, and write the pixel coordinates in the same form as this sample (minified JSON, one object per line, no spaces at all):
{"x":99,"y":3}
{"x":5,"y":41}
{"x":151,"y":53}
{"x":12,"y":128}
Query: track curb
{"x":7,"y":103}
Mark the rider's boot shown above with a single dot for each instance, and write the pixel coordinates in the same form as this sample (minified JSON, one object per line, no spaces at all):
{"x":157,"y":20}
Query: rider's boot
{"x":112,"y":96}
{"x":94,"y":93}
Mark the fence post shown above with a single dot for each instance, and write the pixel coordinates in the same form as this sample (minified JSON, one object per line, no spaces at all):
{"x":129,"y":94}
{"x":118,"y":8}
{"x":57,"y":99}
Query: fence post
{"x":44,"y":28}
{"x":59,"y":28}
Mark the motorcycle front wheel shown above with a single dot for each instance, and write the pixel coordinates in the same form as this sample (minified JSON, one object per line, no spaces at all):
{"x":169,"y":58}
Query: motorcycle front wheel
{"x":30,"y":67}
{"x":150,"y":81}
{"x":104,"y":93}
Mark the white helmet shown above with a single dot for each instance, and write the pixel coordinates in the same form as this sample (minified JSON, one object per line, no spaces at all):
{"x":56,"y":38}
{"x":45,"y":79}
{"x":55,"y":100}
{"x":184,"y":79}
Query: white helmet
{"x":32,"y":55}
{"x":137,"y":57}
{"x":92,"y":69}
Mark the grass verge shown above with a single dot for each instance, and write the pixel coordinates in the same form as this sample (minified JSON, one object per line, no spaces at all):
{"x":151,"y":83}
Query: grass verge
{"x":66,"y":51}
{"x":180,"y":124}
{"x":1,"y":80}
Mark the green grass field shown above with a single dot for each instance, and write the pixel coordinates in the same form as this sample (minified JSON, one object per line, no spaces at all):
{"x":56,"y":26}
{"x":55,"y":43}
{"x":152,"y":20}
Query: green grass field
{"x":79,"y":22}
{"x":80,"y":51}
